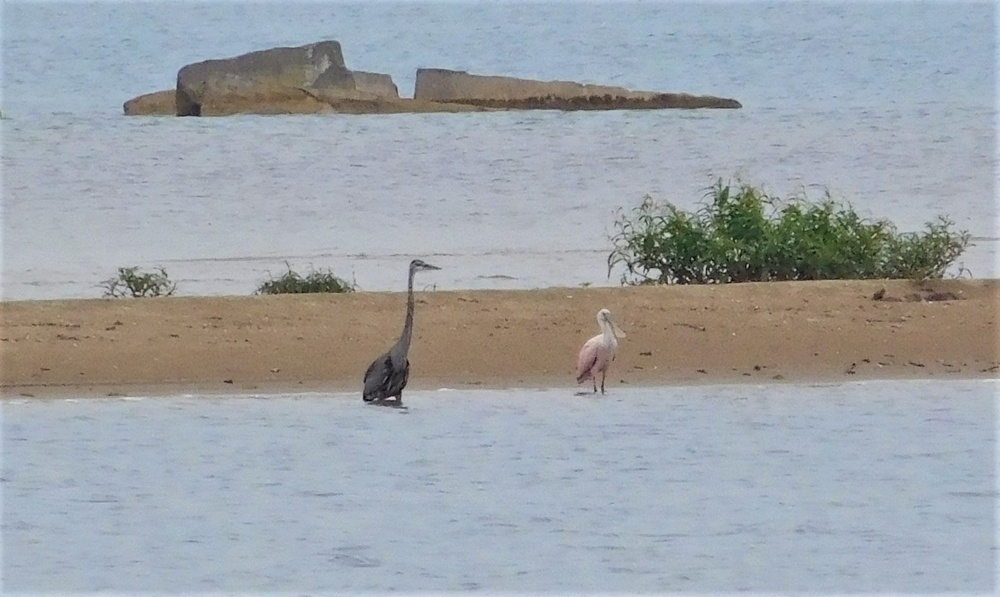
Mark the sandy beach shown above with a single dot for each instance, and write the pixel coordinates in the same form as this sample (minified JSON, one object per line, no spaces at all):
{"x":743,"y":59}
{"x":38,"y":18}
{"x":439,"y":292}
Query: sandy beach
{"x":740,"y":333}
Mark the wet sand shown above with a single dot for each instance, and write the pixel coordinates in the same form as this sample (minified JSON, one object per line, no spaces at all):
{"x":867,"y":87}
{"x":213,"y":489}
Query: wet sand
{"x":740,"y":333}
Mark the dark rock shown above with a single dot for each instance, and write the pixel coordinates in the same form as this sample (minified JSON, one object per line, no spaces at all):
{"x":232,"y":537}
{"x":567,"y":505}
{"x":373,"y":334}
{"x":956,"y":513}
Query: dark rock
{"x":159,"y":103}
{"x":268,"y":78}
{"x":441,"y":85}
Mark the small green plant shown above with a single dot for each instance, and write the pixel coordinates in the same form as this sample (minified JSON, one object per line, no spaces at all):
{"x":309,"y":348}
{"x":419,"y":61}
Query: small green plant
{"x":316,"y":281}
{"x":743,"y":235}
{"x":130,"y":282}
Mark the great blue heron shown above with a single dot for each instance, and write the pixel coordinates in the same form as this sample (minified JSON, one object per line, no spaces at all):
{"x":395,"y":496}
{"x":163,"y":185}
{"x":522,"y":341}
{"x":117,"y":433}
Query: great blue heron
{"x":598,"y":352}
{"x":387,"y":375}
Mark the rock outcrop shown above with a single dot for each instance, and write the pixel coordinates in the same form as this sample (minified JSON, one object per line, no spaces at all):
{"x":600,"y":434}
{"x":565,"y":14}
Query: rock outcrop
{"x":275,"y":81}
{"x":159,"y":103}
{"x":376,"y":93}
{"x":375,"y":83}
{"x":313,"y":79}
{"x":441,"y":85}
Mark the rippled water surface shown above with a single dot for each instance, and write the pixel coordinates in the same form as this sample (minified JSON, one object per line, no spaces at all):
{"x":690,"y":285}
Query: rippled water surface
{"x":886,"y":486}
{"x":889,"y":105}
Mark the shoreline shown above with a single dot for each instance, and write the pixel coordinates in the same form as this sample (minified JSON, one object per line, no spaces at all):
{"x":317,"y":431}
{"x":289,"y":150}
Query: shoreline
{"x":128,"y":391}
{"x":772,"y":332}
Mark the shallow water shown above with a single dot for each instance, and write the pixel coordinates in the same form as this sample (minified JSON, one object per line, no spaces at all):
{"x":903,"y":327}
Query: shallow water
{"x":875,"y":486}
{"x":893,"y":110}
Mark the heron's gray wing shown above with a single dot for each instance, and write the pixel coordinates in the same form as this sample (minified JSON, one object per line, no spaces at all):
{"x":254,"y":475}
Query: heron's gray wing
{"x":398,"y":379}
{"x":376,"y":378}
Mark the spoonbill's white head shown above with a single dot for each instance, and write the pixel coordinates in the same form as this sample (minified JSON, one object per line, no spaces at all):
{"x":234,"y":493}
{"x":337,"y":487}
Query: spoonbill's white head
{"x":604,"y":320}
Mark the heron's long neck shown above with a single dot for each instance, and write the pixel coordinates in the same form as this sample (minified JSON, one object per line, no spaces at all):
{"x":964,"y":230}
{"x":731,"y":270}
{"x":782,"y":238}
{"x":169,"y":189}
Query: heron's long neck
{"x":608,"y":335}
{"x":404,"y":340}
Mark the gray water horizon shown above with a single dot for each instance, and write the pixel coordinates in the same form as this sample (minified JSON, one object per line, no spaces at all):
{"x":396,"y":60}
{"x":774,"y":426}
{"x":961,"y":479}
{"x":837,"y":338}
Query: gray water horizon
{"x":827,"y":488}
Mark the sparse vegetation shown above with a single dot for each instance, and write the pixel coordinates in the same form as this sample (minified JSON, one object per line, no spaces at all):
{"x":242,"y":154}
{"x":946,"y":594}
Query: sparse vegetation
{"x":292,"y":282}
{"x":130,"y":282}
{"x":743,"y":235}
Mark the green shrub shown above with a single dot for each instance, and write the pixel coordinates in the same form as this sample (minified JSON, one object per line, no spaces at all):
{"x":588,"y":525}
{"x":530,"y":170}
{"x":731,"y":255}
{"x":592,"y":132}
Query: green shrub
{"x":743,"y":235}
{"x":316,"y":281}
{"x":130,"y":282}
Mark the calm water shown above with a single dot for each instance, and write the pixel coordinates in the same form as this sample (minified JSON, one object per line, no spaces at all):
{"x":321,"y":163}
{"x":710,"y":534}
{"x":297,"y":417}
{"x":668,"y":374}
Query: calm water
{"x":886,"y":486}
{"x":890,"y":105}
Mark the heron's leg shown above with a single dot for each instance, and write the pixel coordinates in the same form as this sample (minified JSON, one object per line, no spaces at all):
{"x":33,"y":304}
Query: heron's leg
{"x":594,"y":379}
{"x":603,"y":375}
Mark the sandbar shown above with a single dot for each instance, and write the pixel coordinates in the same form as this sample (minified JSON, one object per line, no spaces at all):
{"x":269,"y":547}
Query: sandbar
{"x":775,"y":332}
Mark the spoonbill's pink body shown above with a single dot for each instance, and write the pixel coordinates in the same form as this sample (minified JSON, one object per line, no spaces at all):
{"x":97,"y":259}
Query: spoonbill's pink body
{"x":598,"y":353}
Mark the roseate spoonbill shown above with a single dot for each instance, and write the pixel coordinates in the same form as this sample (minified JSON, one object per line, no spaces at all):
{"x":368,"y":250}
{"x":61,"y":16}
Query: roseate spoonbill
{"x":598,"y":352}
{"x":387,"y":375}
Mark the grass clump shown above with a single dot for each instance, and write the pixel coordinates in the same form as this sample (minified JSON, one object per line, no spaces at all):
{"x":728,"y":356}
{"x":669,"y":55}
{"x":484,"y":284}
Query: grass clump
{"x":131,"y":282}
{"x":743,"y":235}
{"x":292,"y":282}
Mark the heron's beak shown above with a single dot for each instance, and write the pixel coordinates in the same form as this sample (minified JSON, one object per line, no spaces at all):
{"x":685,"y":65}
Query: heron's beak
{"x":429,"y":266}
{"x":617,"y":331}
